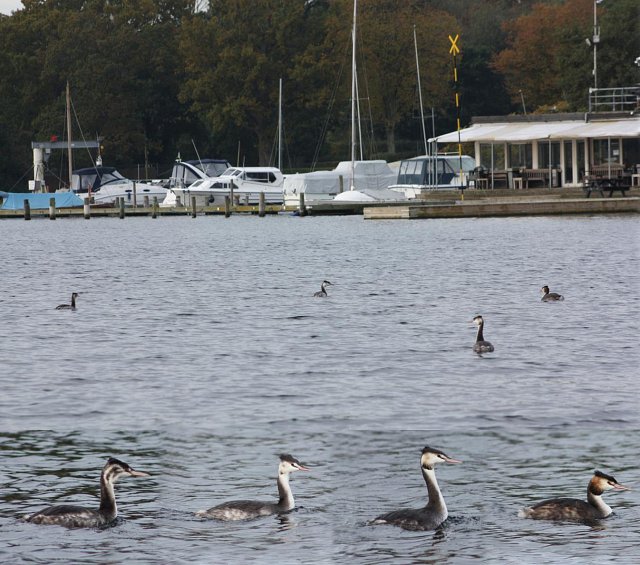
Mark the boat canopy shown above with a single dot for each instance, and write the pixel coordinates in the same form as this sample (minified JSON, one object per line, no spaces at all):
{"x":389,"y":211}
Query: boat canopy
{"x":15,"y":200}
{"x":537,"y":130}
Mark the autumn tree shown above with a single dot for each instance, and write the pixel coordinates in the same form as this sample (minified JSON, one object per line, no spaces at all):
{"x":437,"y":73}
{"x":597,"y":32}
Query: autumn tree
{"x":546,"y":57}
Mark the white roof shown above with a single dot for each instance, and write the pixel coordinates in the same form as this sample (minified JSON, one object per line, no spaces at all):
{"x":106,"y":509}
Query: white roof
{"x":530,"y":131}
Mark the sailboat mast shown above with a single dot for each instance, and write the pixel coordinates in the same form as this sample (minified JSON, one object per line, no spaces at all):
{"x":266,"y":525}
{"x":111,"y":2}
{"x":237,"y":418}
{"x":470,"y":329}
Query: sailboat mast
{"x":280,"y":127}
{"x":353,"y":95}
{"x":424,"y":130}
{"x":70,"y":155}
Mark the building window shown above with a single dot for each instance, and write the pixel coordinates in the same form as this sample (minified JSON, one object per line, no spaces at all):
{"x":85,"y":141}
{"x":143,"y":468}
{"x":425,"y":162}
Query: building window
{"x":606,"y":151}
{"x":520,"y":156}
{"x":544,"y":156}
{"x":492,"y":153}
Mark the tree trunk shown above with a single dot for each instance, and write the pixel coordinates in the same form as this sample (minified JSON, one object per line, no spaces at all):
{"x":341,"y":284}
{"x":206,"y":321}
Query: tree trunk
{"x":391,"y":139}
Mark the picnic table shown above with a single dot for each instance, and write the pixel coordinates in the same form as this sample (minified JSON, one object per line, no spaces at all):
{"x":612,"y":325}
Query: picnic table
{"x":602,"y":184}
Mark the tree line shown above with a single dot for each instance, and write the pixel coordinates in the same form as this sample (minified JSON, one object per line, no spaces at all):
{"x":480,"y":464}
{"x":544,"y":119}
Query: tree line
{"x":158,"y":78}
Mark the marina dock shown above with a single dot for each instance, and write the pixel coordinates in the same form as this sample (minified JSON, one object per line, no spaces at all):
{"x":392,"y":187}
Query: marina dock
{"x":503,"y":207}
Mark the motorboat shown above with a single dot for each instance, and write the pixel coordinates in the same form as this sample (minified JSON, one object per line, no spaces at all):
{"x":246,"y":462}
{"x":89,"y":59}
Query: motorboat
{"x":185,"y":173}
{"x":242,"y":184}
{"x":105,"y":185}
{"x":429,"y":172}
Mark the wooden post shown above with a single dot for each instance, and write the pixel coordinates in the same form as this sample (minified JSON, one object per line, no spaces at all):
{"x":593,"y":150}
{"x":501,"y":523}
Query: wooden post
{"x":154,"y":213}
{"x":121,"y":208}
{"x":135,"y":196}
{"x":87,"y":209}
{"x":27,"y":210}
{"x":341,"y":179}
{"x":261,"y":205}
{"x":145,"y":200}
{"x":193,"y":207}
{"x":52,"y":208}
{"x":302,"y":208}
{"x":178,"y":201}
{"x":227,"y":206}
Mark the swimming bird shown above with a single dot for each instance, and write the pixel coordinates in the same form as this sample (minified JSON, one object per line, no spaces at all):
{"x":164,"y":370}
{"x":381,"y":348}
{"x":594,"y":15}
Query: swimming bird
{"x":323,"y":291}
{"x":435,"y":512}
{"x":574,"y":509}
{"x":71,"y":306}
{"x":550,"y":296}
{"x":248,"y":509}
{"x":81,"y":517}
{"x":481,"y":346}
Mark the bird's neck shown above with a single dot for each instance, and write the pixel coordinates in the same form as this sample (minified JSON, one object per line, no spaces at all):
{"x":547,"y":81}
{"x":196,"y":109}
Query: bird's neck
{"x":107,"y":498}
{"x":284,"y":491}
{"x":73,"y":301}
{"x":480,"y":336}
{"x":598,"y":503}
{"x":436,"y":501}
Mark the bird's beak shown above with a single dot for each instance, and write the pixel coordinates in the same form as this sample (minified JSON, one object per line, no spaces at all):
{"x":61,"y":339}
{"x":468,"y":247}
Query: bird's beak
{"x":618,"y":486}
{"x":138,"y":473}
{"x":450,"y":460}
{"x":301,"y":467}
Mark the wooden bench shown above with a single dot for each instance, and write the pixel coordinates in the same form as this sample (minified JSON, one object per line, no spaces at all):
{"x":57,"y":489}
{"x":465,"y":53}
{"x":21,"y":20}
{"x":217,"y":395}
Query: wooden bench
{"x":602,"y":184}
{"x":533,"y":176}
{"x":607,"y":171}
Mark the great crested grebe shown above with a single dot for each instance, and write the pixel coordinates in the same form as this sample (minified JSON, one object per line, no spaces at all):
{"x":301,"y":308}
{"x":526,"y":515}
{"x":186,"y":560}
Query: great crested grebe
{"x":71,"y":306}
{"x":248,"y":509}
{"x":323,"y":291}
{"x":550,"y":296}
{"x":435,"y":512}
{"x":80,"y":517}
{"x":574,"y":509}
{"x":481,"y":346}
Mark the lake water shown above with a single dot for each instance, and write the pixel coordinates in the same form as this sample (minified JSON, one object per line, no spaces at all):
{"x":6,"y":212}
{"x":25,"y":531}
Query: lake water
{"x":198,"y":354}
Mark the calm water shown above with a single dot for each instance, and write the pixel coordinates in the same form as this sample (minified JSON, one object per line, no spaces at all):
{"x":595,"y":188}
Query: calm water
{"x":198,"y":354}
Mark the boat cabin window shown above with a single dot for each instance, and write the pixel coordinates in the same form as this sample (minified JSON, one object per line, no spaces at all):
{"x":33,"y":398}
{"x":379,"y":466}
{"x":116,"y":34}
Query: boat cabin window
{"x":213,"y":169}
{"x":411,"y":172}
{"x":112,"y":178}
{"x":260,"y":176}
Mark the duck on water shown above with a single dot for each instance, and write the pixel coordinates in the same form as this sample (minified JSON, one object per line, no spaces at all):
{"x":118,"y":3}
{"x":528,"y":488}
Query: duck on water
{"x":323,"y":290}
{"x":249,"y":509}
{"x":481,"y":346}
{"x":71,"y":306}
{"x":435,"y":512}
{"x":574,"y":509}
{"x":80,"y":517}
{"x":550,"y":296}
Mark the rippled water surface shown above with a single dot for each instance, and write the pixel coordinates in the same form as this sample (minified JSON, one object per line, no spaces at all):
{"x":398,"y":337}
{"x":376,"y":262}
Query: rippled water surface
{"x":198,"y":354}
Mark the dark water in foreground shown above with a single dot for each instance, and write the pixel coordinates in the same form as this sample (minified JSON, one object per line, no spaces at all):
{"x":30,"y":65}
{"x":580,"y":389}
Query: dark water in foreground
{"x":197,"y":354}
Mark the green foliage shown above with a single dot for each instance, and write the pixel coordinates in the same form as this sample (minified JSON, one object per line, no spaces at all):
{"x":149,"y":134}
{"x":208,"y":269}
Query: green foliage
{"x":151,"y":77}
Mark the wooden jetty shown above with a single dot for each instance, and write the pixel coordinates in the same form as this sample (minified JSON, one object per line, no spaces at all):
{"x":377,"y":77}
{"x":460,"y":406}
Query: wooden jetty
{"x":119,"y":211}
{"x":503,"y":207}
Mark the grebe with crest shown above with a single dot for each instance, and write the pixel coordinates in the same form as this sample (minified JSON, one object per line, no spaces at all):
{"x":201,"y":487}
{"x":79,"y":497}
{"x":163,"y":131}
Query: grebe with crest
{"x":248,"y":509}
{"x":71,"y":306}
{"x":550,"y":296}
{"x":435,"y":512}
{"x":81,"y":517}
{"x":574,"y":509}
{"x":323,"y":291}
{"x":481,"y":346}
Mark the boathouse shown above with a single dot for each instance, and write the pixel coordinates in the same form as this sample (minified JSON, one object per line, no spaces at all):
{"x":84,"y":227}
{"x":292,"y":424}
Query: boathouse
{"x":552,"y":150}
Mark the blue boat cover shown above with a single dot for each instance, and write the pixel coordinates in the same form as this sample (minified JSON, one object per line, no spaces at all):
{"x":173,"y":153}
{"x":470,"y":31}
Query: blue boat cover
{"x":15,"y":200}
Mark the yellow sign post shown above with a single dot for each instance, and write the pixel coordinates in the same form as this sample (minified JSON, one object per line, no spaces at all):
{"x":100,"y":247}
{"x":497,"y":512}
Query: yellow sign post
{"x":455,"y":50}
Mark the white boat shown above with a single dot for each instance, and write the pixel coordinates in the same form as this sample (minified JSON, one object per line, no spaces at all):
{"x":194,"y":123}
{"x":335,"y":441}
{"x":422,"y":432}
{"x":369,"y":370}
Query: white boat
{"x":322,"y":186}
{"x":105,"y":185}
{"x":185,"y":173}
{"x":242,"y":184}
{"x":426,"y":173}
